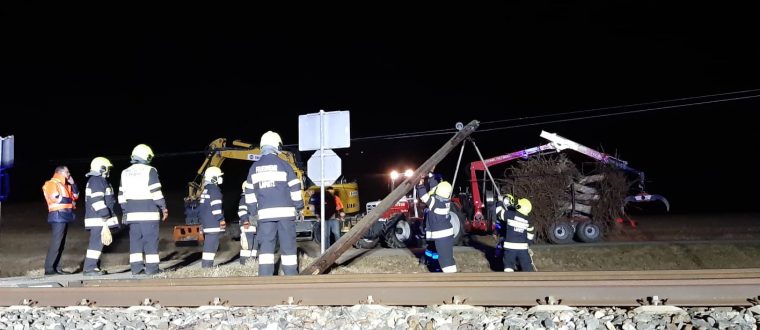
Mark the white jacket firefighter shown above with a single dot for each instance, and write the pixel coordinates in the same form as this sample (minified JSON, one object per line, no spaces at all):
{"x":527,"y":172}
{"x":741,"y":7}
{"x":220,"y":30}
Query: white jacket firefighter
{"x":140,"y":193}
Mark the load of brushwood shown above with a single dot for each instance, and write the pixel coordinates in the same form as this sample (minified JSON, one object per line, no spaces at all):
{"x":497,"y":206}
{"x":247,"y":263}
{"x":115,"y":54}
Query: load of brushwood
{"x":559,"y":190}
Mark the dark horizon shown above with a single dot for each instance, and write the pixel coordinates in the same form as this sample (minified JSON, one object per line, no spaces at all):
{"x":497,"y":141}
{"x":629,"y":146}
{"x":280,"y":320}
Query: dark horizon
{"x":99,"y":87}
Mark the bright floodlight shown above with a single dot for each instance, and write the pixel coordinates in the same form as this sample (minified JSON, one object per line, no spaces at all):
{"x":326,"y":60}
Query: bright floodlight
{"x":394,"y":175}
{"x":408,"y":173}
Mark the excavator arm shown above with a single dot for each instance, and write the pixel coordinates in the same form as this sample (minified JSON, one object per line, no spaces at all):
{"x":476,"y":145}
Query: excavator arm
{"x":560,"y":143}
{"x":218,"y":152}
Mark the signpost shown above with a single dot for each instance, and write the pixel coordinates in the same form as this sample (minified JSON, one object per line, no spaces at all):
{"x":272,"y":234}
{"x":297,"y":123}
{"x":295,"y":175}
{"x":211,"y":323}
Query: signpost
{"x":324,"y":131}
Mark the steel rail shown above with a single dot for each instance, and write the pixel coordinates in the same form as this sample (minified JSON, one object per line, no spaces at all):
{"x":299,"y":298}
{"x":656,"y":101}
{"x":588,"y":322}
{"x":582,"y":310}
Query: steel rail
{"x":690,"y":288}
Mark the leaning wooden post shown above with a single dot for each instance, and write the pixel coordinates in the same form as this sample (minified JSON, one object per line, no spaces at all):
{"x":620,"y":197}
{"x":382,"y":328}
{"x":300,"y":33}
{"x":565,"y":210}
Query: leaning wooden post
{"x":358,"y":231}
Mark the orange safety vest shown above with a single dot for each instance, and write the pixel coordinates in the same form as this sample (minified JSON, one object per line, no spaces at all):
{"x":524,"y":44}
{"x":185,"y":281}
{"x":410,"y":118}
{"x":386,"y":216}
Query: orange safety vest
{"x":338,"y":203}
{"x":58,"y":194}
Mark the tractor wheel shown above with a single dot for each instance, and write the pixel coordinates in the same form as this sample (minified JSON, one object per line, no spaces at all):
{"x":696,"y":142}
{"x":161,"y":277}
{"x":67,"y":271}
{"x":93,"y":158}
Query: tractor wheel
{"x":397,"y":232}
{"x":561,"y":232}
{"x":317,"y":232}
{"x":589,"y":232}
{"x":365,"y":243}
{"x":457,"y":223}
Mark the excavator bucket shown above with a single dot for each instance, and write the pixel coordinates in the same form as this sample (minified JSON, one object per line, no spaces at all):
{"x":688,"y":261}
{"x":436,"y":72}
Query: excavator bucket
{"x":645,"y":197}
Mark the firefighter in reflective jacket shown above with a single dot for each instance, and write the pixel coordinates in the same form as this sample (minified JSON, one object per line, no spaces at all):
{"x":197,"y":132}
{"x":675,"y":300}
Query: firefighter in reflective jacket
{"x":144,"y":208}
{"x":248,"y":248}
{"x":60,"y":194}
{"x":519,"y":232}
{"x":438,"y":227}
{"x":211,"y":214}
{"x":99,"y":215}
{"x":273,"y":197}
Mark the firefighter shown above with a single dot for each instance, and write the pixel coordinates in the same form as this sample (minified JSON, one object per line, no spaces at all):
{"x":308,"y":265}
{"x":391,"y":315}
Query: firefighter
{"x":519,"y":232}
{"x":248,"y":248}
{"x":430,"y":257}
{"x":506,"y":203}
{"x":144,"y":208}
{"x":99,"y":215}
{"x":438,"y":227}
{"x":61,"y":194}
{"x":273,"y":197}
{"x":211,"y":214}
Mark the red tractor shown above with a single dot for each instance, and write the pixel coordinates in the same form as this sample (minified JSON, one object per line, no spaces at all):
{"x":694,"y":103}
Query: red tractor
{"x":402,"y":225}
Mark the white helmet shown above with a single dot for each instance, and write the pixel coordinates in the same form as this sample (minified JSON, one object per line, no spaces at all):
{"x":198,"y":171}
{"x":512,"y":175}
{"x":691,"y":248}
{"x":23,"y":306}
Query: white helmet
{"x":142,"y":152}
{"x":271,"y":139}
{"x":213,"y":174}
{"x":101,"y":165}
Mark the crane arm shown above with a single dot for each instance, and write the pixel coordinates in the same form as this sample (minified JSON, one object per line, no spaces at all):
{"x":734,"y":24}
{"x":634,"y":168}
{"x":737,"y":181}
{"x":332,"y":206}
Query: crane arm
{"x":481,"y":165}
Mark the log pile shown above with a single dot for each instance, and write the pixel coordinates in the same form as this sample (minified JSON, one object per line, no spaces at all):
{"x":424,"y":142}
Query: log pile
{"x":559,"y":191}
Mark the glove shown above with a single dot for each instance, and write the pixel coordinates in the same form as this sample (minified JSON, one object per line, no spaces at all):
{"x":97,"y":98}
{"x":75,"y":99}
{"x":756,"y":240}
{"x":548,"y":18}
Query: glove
{"x":222,"y":224}
{"x":243,"y":241}
{"x":105,"y":236}
{"x":166,"y":215}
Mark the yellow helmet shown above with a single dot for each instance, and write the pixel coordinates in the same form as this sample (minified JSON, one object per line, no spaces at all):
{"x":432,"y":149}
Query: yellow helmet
{"x":101,"y":165}
{"x":508,"y":200}
{"x":213,"y":174}
{"x":524,"y":206}
{"x":142,"y":152}
{"x":271,"y":139}
{"x":443,"y":189}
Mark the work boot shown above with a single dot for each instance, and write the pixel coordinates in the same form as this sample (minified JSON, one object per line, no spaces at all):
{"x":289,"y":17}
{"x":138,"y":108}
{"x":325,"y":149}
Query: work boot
{"x":95,"y":272}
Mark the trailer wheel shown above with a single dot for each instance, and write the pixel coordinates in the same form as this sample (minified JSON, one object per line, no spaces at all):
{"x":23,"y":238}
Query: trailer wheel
{"x":589,"y":232}
{"x":561,"y":233}
{"x":397,"y":232}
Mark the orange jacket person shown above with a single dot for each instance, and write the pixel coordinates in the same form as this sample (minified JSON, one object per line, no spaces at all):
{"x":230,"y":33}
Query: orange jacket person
{"x":61,"y":194}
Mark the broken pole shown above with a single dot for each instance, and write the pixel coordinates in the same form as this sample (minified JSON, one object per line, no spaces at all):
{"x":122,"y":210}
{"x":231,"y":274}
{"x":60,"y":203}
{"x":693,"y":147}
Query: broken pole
{"x":358,"y":231}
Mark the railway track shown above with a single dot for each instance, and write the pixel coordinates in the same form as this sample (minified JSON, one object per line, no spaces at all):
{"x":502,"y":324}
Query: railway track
{"x":721,"y":287}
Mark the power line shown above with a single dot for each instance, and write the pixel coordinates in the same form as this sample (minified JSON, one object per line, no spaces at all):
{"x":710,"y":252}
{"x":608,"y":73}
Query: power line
{"x":617,"y":113}
{"x":620,"y":106}
{"x":447,"y":131}
{"x":451,"y":130}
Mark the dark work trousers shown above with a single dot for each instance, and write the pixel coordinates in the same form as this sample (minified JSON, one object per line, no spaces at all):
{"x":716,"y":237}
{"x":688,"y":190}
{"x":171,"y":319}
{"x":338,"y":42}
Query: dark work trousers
{"x":445,"y":248}
{"x":513,"y":258}
{"x":252,"y":250}
{"x":210,"y":246}
{"x":94,"y":248}
{"x":268,"y":233}
{"x":143,"y":238}
{"x":55,"y":248}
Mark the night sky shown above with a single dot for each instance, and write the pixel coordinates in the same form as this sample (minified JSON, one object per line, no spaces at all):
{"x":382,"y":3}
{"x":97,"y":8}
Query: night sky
{"x":83,"y":85}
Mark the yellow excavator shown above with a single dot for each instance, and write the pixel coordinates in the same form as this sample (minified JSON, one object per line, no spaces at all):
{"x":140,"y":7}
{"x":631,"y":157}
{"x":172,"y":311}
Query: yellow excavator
{"x":217,"y":152}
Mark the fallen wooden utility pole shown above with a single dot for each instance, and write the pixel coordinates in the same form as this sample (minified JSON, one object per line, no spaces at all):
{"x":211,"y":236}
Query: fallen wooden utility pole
{"x":358,"y":231}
